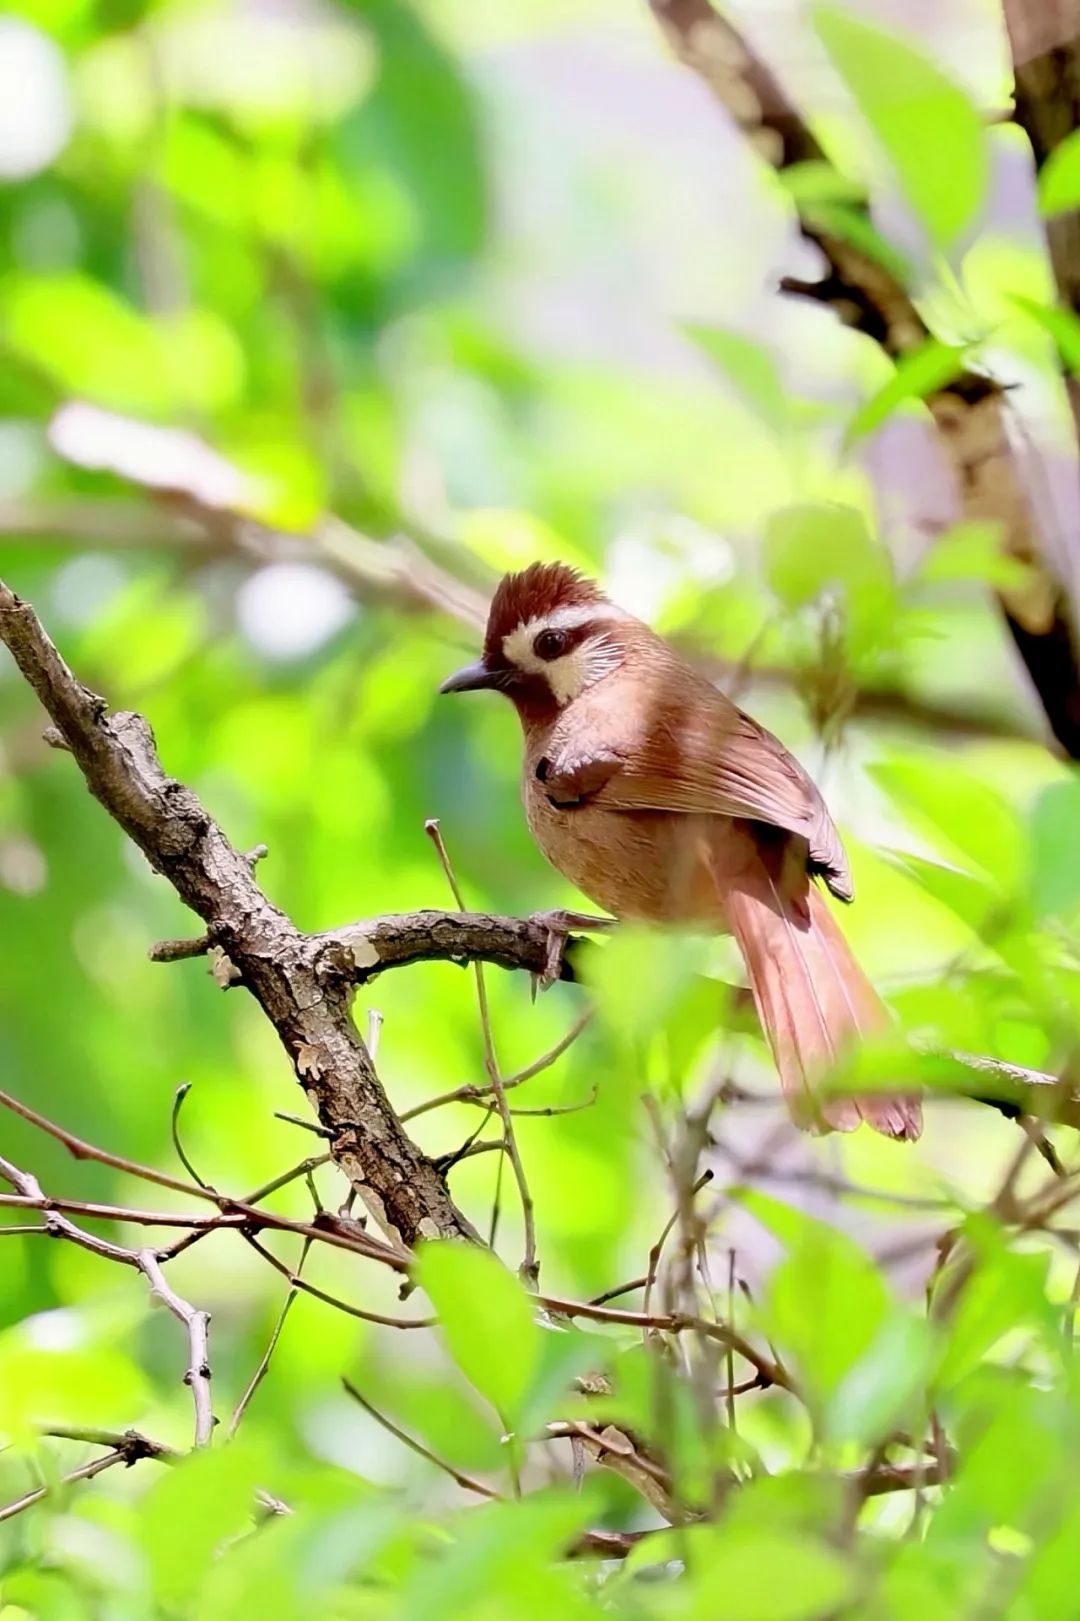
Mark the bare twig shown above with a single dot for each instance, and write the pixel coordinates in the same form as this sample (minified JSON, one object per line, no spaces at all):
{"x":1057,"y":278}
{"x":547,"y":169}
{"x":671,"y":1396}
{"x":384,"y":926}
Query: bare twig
{"x":469,"y":1482}
{"x":530,"y":1267}
{"x":196,"y":1324}
{"x":658,"y":1248}
{"x":179,"y":950}
{"x":670,"y":1323}
{"x":132,"y":1442}
{"x":31,"y":1197}
{"x":297,"y":1282}
{"x":470,"y":1093}
{"x":87,"y":1472}
{"x":264,"y":1361}
{"x":619,"y":1289}
{"x":174,"y":1124}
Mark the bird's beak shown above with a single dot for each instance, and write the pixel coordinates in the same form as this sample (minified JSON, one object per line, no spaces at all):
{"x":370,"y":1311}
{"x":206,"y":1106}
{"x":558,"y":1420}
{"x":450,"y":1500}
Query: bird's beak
{"x":473,"y":678}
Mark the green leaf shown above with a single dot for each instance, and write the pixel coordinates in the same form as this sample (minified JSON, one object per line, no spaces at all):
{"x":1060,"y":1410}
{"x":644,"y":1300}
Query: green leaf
{"x":752,"y":1574}
{"x":969,"y":897}
{"x":641,"y":978}
{"x":501,"y":1556}
{"x":974,"y":821}
{"x":1017,"y":1448}
{"x":1049,"y":1583}
{"x":192,"y":1510}
{"x":814,"y":547}
{"x":749,"y":367}
{"x":421,"y":121}
{"x":38,"y":1384}
{"x":1003,"y":1294}
{"x":1062,"y":325}
{"x":884,"y":1391}
{"x":1055,"y":849}
{"x":826,"y":1303}
{"x":261,"y":1575}
{"x":1059,"y":178}
{"x":973,"y":551}
{"x":932,"y":133}
{"x":818,"y":182}
{"x":486,"y":1319}
{"x":565,"y":1355}
{"x":917,"y":375}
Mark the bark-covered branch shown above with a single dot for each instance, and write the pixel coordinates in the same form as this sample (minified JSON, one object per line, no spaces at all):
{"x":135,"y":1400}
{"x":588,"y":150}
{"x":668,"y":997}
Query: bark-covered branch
{"x":283,"y":970}
{"x":970,"y":413}
{"x":1044,"y":38}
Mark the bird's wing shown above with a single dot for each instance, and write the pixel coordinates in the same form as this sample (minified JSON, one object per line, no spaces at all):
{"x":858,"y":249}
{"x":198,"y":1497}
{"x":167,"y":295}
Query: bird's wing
{"x":707,"y":758}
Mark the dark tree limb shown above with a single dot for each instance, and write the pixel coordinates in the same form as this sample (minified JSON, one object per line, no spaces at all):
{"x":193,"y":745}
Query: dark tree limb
{"x":278,"y":965}
{"x":970,"y":413}
{"x":1044,"y":38}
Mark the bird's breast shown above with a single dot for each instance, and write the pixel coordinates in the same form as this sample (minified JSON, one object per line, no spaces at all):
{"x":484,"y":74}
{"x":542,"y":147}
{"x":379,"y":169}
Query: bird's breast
{"x":650,"y":866}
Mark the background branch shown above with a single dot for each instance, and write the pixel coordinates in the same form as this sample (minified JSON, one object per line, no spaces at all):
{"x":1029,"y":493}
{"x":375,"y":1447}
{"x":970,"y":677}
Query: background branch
{"x":970,"y":413}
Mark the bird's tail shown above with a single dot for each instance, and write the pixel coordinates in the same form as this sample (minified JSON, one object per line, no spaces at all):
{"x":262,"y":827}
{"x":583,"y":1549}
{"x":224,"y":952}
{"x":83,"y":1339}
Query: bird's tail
{"x":813,"y":1001}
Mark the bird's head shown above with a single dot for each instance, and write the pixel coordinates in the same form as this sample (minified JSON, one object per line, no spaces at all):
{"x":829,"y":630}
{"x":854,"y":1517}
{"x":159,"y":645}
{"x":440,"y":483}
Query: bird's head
{"x":551,"y":634}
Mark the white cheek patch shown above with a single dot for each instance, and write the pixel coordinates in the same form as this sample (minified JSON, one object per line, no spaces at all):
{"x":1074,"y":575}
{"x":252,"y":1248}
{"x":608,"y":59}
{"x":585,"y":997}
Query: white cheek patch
{"x":569,"y":675}
{"x":566,"y":676}
{"x":518,"y":648}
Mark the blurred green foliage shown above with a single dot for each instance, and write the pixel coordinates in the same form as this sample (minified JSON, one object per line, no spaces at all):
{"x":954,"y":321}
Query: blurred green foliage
{"x":310,"y":260}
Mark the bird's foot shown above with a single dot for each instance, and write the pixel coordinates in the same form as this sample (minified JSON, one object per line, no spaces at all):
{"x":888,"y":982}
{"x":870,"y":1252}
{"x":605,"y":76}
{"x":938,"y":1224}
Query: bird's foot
{"x":558,"y":927}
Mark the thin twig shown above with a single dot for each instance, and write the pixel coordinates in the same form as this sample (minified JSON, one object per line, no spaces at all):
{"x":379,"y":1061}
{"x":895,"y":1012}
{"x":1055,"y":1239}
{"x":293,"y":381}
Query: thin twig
{"x":496,"y":1202}
{"x":550,"y":1110}
{"x":305,"y":1125}
{"x":620,"y":1289}
{"x":471,"y":1093}
{"x":469,"y":1482}
{"x":670,"y":1323}
{"x":232,"y":1212}
{"x":530,"y":1268}
{"x":79,"y":1148}
{"x":731,"y":1390}
{"x":31,"y":1197}
{"x":197,"y":1324}
{"x":87,"y":1472}
{"x":174,"y":1123}
{"x":179,"y":950}
{"x":665,"y":1233}
{"x":132,"y":1442}
{"x":264,"y":1361}
{"x":307,"y":1288}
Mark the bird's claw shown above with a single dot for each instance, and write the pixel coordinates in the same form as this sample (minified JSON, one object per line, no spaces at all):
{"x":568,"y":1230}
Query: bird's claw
{"x":558,"y":926}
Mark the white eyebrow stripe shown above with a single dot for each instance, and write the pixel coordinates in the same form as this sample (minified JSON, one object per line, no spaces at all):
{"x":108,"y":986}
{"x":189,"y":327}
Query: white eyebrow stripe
{"x":581,"y":613}
{"x":567,"y":674}
{"x":568,"y":618}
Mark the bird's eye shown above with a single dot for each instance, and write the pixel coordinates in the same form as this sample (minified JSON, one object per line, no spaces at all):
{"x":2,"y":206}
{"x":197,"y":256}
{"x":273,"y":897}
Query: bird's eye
{"x":549,"y":644}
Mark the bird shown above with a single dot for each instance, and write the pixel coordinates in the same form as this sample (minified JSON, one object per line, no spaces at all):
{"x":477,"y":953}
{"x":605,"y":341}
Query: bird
{"x":666,"y":804}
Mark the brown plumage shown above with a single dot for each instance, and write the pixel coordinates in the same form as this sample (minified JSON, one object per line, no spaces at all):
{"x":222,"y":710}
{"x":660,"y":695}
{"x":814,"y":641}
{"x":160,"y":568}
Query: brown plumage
{"x":663,"y":802}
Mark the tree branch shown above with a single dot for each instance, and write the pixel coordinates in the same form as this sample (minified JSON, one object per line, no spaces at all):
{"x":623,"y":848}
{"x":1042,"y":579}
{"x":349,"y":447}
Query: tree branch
{"x":1044,"y":38}
{"x":970,"y":413}
{"x":197,"y":1324}
{"x":309,"y":1011}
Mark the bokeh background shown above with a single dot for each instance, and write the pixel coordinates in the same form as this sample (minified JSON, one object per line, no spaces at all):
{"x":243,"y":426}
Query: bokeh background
{"x":314,"y":318}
